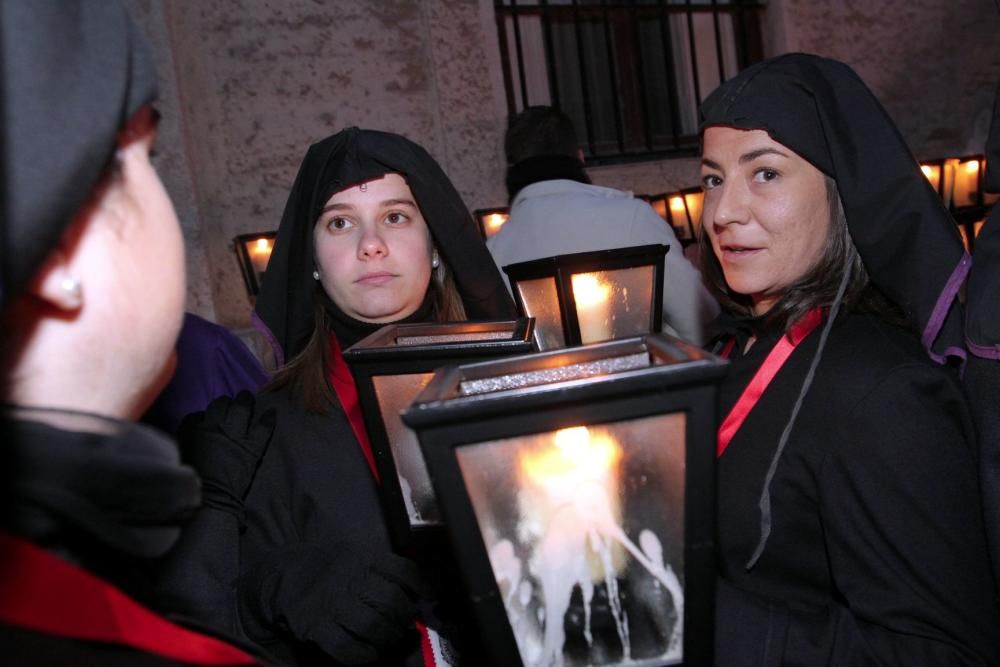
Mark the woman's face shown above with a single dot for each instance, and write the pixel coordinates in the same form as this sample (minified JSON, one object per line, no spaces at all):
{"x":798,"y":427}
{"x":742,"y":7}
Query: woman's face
{"x":766,"y":212}
{"x":373,"y":250}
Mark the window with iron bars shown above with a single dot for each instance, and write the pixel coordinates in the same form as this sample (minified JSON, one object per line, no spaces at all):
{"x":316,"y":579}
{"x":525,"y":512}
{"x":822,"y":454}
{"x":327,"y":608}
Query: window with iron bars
{"x":630,"y":74}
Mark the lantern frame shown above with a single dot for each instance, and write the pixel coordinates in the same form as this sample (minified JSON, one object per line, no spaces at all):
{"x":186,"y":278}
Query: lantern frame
{"x":562,"y":268}
{"x":380,"y":355}
{"x":241,"y":244}
{"x":679,"y":378}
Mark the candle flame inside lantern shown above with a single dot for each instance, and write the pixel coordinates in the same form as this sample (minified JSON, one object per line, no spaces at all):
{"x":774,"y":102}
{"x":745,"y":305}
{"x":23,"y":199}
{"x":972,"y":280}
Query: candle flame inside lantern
{"x":576,"y":458}
{"x":588,"y":290}
{"x":494,"y":221}
{"x":262,"y":247}
{"x":677,"y":204}
{"x":972,"y":166}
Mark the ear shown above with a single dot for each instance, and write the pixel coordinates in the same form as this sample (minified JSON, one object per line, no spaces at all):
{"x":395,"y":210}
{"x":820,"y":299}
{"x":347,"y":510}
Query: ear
{"x":56,"y":285}
{"x":579,"y":155}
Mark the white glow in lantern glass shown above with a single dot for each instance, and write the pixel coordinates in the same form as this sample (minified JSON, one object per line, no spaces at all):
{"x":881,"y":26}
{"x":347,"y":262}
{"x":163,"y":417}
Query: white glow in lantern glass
{"x":585,"y":531}
{"x":613,"y":304}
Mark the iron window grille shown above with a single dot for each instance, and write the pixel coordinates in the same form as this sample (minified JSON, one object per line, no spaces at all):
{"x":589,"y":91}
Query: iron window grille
{"x":630,"y":73}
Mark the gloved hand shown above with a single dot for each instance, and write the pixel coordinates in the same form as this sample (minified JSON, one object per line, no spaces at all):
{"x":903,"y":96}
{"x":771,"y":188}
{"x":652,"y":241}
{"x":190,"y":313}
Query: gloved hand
{"x":225,"y":444}
{"x":354,"y":605}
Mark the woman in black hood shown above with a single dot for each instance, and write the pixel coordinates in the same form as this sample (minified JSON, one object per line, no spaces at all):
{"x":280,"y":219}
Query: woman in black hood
{"x":849,"y":523}
{"x":373,"y":233}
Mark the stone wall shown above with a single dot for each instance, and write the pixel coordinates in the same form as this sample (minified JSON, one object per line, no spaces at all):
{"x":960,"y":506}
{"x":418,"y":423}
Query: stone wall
{"x":249,"y":84}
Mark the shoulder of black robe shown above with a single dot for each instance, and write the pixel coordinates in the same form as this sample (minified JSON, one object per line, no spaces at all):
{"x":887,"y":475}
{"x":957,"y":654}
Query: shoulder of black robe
{"x":72,"y":74}
{"x":352,"y":156}
{"x":983,"y":295}
{"x":823,"y":111}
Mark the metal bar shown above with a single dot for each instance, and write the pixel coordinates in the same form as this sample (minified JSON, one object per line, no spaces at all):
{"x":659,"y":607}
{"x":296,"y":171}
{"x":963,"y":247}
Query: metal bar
{"x":550,"y":59}
{"x":501,"y":19}
{"x":584,"y":88}
{"x":520,"y":52}
{"x":614,"y":79}
{"x":718,"y":41}
{"x":694,"y":56}
{"x":643,"y":100}
{"x":668,"y":63}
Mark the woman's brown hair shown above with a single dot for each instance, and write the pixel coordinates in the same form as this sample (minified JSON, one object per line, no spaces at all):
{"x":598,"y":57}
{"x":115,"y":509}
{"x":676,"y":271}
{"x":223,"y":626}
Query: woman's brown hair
{"x":307,"y":375}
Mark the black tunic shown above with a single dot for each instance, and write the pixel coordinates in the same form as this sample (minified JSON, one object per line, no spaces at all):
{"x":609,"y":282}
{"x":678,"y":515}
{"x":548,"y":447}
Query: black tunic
{"x":877,"y":552}
{"x":313,"y":487}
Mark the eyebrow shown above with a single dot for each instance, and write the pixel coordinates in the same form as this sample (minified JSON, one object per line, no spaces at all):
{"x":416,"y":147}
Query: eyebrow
{"x":746,"y":157}
{"x":385,"y":203}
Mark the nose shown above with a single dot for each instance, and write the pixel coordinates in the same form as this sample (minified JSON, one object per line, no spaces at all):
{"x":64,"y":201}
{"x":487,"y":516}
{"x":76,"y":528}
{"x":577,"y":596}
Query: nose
{"x":728,"y":204}
{"x":371,"y":245}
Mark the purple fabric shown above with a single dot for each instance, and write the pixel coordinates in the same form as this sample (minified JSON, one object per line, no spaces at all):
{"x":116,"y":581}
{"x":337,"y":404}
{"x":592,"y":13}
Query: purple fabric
{"x":211,"y":362}
{"x":941,"y":308}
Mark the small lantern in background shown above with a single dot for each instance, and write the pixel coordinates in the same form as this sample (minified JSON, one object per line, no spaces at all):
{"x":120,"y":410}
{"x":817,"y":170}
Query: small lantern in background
{"x":966,"y":191}
{"x":592,"y":296}
{"x":390,"y":368}
{"x":681,"y":210}
{"x":254,"y":252}
{"x":932,"y":170}
{"x":491,"y":220}
{"x":577,"y":488}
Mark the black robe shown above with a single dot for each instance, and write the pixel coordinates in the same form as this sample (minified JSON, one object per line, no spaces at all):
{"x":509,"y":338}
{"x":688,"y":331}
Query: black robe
{"x":876,"y":553}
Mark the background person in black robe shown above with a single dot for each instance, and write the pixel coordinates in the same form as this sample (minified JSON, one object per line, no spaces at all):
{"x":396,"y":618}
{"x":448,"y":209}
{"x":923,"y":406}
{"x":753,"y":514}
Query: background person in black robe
{"x":849,"y":525}
{"x":373,"y":232}
{"x":92,"y":294}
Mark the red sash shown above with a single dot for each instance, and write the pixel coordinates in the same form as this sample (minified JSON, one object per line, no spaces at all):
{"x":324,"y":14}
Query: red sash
{"x":43,"y":593}
{"x":775,"y":359}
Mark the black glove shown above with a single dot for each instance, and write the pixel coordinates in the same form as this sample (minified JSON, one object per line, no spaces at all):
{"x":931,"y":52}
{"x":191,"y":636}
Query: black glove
{"x":354,"y":605}
{"x":225,"y":444}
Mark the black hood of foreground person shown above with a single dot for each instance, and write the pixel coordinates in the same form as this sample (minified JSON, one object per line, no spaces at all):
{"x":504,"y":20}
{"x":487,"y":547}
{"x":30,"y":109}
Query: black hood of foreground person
{"x":62,"y":102}
{"x":350,"y":157}
{"x":906,"y":238}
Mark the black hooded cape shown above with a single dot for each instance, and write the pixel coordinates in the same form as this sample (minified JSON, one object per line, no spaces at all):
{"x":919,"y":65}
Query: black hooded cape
{"x":982,"y":328}
{"x":876,"y":551}
{"x":352,"y":156}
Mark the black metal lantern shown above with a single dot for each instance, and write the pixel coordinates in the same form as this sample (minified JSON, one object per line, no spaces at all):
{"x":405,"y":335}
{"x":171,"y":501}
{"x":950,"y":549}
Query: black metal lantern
{"x":591,"y":296}
{"x":390,"y":368}
{"x":254,"y":252}
{"x":577,"y":488}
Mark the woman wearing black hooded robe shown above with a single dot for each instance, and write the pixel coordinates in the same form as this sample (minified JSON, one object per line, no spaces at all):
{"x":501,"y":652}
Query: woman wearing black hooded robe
{"x":318,"y":577}
{"x":849,"y":527}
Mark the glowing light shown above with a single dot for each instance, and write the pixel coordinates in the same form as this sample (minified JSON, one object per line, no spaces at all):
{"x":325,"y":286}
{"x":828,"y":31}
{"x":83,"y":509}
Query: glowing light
{"x":575,"y":459}
{"x":677,"y":204}
{"x":972,"y":166}
{"x":494,"y":221}
{"x":589,"y":291}
{"x":262,"y":247}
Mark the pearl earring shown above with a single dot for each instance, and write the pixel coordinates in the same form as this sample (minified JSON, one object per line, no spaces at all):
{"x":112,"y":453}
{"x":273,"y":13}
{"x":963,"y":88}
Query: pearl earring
{"x":435,"y":260}
{"x":72,"y":288}
{"x":315,"y":275}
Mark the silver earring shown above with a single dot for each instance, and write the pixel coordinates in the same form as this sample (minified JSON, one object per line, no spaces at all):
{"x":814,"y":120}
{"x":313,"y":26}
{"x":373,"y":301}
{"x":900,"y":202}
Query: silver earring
{"x":435,"y":260}
{"x":315,"y":275}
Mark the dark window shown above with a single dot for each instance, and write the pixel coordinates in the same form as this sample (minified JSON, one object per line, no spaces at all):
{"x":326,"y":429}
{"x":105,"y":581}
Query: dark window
{"x":630,"y":74}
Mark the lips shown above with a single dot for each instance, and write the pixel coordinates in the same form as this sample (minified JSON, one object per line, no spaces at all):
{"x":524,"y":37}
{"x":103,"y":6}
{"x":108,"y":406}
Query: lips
{"x":735,"y":252}
{"x":375,"y":278}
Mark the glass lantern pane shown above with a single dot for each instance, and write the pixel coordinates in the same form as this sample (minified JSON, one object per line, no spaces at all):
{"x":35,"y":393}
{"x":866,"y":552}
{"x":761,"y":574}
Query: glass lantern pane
{"x":541,"y":301}
{"x":394,"y":394}
{"x":613,"y":304}
{"x":584,"y":528}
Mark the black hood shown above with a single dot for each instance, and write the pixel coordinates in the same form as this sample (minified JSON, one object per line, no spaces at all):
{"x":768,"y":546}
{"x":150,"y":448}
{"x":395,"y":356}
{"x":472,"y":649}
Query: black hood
{"x":352,"y":156}
{"x":72,"y":74}
{"x":823,"y":111}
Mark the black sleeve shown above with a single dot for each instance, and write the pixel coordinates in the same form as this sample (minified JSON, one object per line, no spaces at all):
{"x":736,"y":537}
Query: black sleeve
{"x":903,"y":528}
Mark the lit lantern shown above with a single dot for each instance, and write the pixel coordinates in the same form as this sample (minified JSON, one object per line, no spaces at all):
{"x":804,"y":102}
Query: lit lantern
{"x":390,"y":367}
{"x":491,"y":220}
{"x":590,"y":297}
{"x":966,"y":190}
{"x":253,"y":252}
{"x":695,"y":200}
{"x":577,"y":488}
